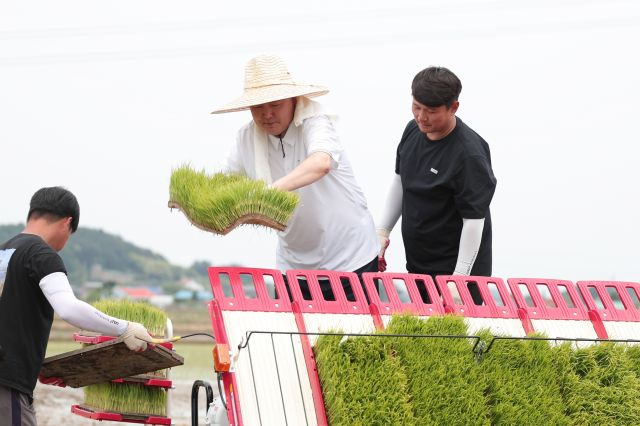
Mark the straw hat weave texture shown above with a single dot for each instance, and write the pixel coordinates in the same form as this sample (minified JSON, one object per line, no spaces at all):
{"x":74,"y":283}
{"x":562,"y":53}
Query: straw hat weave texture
{"x":267,"y":79}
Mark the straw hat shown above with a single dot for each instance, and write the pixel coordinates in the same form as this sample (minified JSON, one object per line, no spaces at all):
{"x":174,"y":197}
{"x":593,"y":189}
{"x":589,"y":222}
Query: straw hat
{"x":267,"y":79}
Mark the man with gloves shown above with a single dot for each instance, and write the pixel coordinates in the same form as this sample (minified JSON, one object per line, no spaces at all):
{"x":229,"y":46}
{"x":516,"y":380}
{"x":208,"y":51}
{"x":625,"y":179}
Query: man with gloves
{"x":442,"y":187}
{"x":34,"y":285}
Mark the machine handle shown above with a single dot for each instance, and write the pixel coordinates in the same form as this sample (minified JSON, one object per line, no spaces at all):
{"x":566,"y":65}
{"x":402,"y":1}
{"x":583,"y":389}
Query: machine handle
{"x":194,"y":399}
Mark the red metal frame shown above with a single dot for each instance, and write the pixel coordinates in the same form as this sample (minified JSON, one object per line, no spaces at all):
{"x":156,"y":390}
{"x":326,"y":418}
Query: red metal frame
{"x":490,"y":309}
{"x":317,"y":303}
{"x":239,"y":301}
{"x":561,"y":311}
{"x":264,"y":303}
{"x":312,"y":369}
{"x":229,"y":383}
{"x":395,"y":305}
{"x":630,"y":313}
{"x":116,"y":417}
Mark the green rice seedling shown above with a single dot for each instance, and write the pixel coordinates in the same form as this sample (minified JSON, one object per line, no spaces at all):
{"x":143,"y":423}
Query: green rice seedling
{"x":603,"y":387}
{"x":524,"y":382}
{"x":154,"y":319}
{"x":130,"y":397}
{"x":220,"y":202}
{"x":633,"y":354}
{"x":126,"y":398}
{"x":363,"y":382}
{"x":445,"y":382}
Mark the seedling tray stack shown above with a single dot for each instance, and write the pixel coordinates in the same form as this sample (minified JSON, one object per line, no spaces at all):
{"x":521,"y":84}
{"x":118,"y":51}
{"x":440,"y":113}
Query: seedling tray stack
{"x":108,"y":359}
{"x":121,"y":385}
{"x":274,"y":378}
{"x":163,"y":358}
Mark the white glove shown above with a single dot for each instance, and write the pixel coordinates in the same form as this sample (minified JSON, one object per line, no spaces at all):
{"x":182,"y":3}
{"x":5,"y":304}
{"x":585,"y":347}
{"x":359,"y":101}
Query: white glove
{"x":136,"y":337}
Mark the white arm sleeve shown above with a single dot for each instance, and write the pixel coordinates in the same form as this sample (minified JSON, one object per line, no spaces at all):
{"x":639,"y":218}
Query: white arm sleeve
{"x":393,"y":207}
{"x":470,"y":239}
{"x":57,"y":290}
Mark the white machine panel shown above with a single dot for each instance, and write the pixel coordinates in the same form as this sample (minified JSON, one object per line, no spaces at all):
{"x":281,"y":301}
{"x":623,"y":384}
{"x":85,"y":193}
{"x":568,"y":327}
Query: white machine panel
{"x":497,"y":326}
{"x":315,"y":323}
{"x":272,"y":366}
{"x":566,"y":328}
{"x":622,"y":329}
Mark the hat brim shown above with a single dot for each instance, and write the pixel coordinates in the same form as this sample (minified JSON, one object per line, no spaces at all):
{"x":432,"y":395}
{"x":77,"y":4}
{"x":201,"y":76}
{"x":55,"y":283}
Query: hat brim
{"x":262,"y":95}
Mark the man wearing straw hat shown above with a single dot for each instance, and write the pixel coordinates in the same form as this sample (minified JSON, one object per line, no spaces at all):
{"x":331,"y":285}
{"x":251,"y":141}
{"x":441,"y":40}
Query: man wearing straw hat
{"x":291,"y":143}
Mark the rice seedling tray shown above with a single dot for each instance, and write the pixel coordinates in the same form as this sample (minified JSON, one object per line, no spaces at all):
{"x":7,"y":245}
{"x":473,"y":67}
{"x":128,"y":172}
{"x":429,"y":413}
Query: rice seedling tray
{"x":146,"y":380}
{"x":149,"y":379}
{"x":99,"y":338}
{"x":90,"y":413}
{"x":106,"y":361}
{"x":247,"y":219}
{"x":220,"y":202}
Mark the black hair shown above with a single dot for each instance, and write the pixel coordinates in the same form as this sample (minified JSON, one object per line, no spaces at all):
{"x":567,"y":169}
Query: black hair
{"x":436,"y":86}
{"x":56,"y":201}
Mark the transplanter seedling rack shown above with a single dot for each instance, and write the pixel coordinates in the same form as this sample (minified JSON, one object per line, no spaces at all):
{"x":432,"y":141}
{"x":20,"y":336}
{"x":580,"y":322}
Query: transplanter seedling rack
{"x":142,"y":380}
{"x":268,"y":330}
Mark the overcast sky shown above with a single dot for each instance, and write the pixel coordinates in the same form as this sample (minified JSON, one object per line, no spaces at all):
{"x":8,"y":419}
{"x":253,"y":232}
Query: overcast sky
{"x":106,"y":98}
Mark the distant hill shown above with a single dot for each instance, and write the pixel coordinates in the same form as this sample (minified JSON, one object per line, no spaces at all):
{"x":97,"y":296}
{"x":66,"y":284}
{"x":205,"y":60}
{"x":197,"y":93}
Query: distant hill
{"x":95,"y":255}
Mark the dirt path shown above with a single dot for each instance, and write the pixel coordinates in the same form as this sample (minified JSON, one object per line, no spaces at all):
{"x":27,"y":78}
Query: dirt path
{"x":53,"y":406}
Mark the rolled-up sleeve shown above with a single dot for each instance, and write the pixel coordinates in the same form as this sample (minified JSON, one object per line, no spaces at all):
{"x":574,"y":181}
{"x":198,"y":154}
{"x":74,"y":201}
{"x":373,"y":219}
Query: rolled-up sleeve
{"x":320,"y":136}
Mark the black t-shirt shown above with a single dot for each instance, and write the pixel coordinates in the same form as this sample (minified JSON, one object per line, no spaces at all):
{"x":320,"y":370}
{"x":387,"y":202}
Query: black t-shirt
{"x":444,"y":181}
{"x":25,"y":313}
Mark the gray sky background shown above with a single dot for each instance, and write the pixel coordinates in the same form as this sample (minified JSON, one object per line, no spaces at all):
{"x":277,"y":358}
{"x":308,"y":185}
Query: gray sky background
{"x":106,"y":98}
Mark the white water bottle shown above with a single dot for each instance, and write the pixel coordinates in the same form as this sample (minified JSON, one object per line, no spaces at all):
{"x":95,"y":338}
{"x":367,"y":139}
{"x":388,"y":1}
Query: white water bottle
{"x":217,"y":415}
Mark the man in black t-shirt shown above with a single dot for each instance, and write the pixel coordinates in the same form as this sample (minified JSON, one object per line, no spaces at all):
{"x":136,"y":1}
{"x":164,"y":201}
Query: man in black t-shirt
{"x":442,"y":187}
{"x":34,"y":284}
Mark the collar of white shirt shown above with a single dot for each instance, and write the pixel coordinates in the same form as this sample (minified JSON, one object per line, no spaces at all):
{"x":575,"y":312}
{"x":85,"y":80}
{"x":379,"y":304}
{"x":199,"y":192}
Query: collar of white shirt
{"x":288,"y":138}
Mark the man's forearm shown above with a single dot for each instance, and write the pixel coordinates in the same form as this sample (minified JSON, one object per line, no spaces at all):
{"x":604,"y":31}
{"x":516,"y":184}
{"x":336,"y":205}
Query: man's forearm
{"x":313,"y":168}
{"x":57,"y":290}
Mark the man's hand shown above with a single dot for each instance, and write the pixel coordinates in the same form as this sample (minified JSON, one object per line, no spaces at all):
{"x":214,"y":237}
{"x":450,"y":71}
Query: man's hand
{"x":54,"y":381}
{"x":382,"y":264}
{"x":136,"y":337}
{"x":383,"y":237}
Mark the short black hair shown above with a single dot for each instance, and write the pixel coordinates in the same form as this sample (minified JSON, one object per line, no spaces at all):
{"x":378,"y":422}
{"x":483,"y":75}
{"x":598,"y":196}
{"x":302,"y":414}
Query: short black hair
{"x":56,"y":201}
{"x":436,"y":86}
